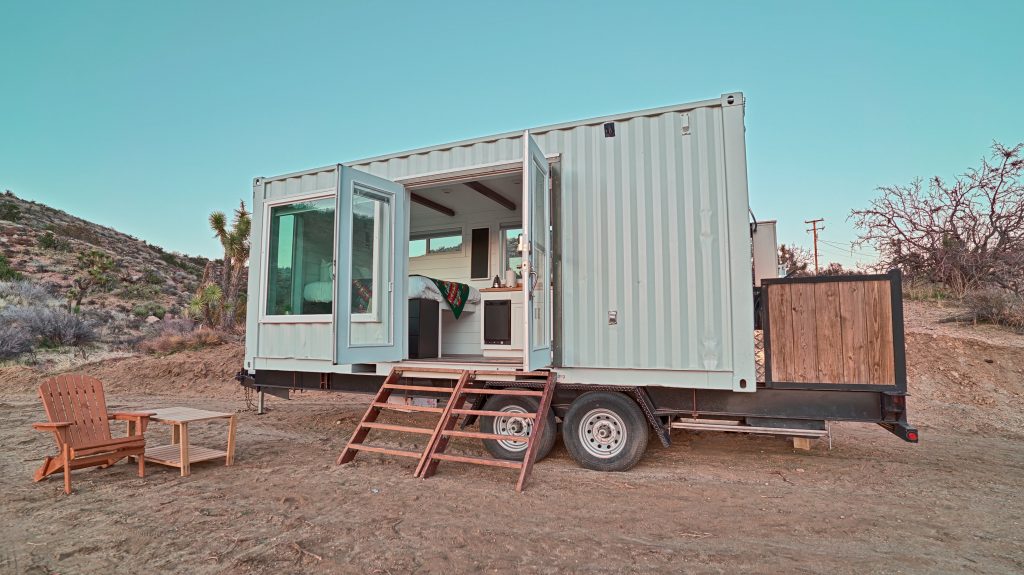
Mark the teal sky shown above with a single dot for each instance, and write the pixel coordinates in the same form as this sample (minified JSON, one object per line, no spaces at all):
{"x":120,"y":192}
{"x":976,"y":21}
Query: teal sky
{"x":145,"y":116}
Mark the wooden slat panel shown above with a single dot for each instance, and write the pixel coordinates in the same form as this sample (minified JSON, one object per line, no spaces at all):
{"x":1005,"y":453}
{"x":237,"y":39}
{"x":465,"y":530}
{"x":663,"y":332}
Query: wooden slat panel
{"x":98,"y":408}
{"x":854,"y":331}
{"x":881,"y":363}
{"x":780,"y":328}
{"x":832,"y":332}
{"x":805,"y":339}
{"x":64,"y":399}
{"x":829,"y":330}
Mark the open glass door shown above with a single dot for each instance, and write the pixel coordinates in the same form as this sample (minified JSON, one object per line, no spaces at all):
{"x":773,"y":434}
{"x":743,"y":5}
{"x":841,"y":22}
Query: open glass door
{"x":536,"y":250}
{"x":371,"y":269}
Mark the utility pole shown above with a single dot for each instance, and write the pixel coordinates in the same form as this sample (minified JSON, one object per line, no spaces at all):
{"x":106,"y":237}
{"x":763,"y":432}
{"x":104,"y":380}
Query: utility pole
{"x":815,"y":229}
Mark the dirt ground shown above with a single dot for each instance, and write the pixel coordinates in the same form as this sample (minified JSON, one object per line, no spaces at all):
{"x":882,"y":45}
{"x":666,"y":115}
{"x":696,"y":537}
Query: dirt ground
{"x":711,"y":503}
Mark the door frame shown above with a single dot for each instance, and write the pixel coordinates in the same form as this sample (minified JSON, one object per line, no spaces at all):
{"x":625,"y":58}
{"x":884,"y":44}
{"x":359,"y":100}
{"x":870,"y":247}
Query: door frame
{"x":537,"y":357}
{"x":348,"y":179}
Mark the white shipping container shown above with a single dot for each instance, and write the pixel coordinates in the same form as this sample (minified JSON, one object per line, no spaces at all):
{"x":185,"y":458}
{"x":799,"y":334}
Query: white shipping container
{"x":636,"y":252}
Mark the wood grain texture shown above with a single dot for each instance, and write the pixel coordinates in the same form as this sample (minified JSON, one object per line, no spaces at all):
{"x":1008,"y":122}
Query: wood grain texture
{"x":829,"y":329}
{"x":780,"y":325}
{"x":805,"y":336}
{"x":832,"y":332}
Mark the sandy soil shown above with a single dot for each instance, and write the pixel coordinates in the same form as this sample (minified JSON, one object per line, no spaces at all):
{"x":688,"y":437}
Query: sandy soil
{"x":708,"y":504}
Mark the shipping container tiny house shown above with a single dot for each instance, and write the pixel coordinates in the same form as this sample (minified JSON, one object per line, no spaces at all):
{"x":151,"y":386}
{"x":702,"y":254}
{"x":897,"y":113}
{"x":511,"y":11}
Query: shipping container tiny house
{"x":621,"y":246}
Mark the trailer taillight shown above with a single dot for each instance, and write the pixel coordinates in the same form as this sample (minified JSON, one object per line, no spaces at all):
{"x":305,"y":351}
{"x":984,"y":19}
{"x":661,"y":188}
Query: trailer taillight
{"x":912,"y":435}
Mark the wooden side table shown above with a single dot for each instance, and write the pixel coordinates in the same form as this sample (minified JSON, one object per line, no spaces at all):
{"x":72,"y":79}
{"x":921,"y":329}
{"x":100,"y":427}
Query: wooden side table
{"x":179,"y":453}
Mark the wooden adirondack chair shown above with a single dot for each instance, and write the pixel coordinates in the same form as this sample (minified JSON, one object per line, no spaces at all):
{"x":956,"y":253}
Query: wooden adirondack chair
{"x":77,"y":412}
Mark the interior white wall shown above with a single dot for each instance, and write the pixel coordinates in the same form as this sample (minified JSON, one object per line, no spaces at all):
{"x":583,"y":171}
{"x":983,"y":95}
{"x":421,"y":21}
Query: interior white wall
{"x":461,"y":336}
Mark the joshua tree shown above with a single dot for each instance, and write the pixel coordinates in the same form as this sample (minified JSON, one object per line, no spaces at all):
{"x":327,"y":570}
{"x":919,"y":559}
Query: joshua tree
{"x":95,"y":267}
{"x":235,"y":241}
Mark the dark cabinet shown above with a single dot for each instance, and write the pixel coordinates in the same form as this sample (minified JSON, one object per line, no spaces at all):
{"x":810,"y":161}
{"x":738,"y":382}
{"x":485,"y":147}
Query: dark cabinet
{"x":423,"y":328}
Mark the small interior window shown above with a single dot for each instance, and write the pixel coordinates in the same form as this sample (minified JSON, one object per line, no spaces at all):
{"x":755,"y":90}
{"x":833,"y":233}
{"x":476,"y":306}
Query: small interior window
{"x":511,"y":257}
{"x":440,"y":242}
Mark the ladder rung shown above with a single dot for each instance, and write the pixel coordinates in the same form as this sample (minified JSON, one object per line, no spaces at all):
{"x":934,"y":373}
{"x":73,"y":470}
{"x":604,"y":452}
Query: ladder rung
{"x":403,"y":407}
{"x":478,"y":460}
{"x":492,"y":391}
{"x":419,"y":388}
{"x":538,"y":374}
{"x":481,"y":435}
{"x":485,"y":412}
{"x":385,"y":450}
{"x":402,"y":428}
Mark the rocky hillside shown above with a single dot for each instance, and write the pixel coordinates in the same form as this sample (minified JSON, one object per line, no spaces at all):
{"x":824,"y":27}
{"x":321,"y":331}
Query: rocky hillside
{"x":43,"y":244}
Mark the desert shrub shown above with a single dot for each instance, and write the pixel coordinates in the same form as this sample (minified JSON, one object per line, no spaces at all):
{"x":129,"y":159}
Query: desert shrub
{"x":7,"y":273}
{"x":925,"y":291}
{"x":171,"y":343}
{"x":49,"y":241}
{"x":137,"y":292}
{"x":10,"y":211}
{"x":14,"y":341}
{"x":81,"y":233}
{"x":23,"y":292}
{"x":996,"y":306}
{"x":50,"y":327}
{"x":149,"y":308}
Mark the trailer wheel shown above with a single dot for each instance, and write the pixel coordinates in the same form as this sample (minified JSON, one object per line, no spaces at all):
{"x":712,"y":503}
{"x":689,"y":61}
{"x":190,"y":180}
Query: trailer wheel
{"x":605,"y":431}
{"x":513,"y":425}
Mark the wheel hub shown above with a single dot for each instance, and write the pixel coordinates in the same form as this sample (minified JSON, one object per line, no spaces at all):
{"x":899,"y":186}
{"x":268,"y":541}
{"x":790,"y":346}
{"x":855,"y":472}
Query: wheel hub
{"x":512,"y":425}
{"x":602,"y":433}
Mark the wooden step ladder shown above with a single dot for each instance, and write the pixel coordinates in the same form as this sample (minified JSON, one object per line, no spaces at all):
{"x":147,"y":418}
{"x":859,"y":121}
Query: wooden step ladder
{"x":380,"y":404}
{"x":439,"y":437}
{"x":456,"y":410}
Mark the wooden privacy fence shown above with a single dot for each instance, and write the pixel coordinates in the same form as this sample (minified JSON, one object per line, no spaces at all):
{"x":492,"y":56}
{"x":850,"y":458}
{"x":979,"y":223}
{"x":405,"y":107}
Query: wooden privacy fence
{"x":834,"y":331}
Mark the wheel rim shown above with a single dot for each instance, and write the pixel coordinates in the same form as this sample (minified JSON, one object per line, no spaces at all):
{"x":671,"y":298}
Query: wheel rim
{"x":602,"y":433}
{"x":512,"y":425}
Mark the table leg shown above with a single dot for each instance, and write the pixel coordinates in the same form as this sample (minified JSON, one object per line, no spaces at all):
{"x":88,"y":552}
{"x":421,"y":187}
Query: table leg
{"x":175,"y":435}
{"x":183,"y":435}
{"x":230,"y":459}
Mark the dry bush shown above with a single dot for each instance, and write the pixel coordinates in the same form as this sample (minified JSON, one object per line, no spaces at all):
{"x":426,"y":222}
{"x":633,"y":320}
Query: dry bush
{"x":24,"y":292}
{"x":921,"y":290}
{"x":15,"y":340}
{"x":996,"y":306}
{"x":167,"y":343}
{"x":50,"y":327}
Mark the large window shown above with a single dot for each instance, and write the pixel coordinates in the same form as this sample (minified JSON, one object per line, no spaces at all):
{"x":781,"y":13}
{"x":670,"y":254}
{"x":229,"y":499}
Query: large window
{"x":370,"y":268}
{"x":301,"y":259}
{"x":511,"y":257}
{"x":438,"y":242}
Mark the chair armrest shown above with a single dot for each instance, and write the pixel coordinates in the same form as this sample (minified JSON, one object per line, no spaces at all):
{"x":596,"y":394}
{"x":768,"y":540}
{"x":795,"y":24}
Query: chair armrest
{"x":140,"y":418}
{"x":50,"y":425}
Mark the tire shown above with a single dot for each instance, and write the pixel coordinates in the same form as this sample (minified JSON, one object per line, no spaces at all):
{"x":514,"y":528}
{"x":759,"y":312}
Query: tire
{"x":605,"y":431}
{"x":512,"y":450}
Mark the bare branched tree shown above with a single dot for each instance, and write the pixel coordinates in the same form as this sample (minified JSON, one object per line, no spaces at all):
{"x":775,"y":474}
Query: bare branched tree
{"x":965,"y":234}
{"x":794,"y":259}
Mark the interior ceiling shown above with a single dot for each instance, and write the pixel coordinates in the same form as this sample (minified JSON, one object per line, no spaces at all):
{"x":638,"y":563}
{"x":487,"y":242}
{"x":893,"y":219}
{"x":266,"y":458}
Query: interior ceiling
{"x":461,"y":198}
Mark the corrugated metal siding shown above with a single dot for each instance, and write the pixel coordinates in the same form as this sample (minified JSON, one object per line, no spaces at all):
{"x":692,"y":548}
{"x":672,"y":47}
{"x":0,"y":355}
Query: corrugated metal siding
{"x":643,"y":221}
